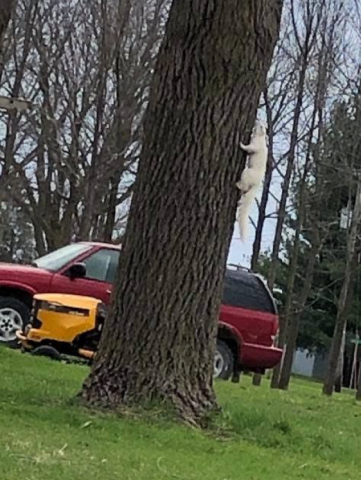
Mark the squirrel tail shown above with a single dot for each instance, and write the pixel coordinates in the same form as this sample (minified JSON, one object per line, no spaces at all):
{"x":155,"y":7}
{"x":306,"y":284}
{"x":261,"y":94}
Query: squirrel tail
{"x":243,"y":210}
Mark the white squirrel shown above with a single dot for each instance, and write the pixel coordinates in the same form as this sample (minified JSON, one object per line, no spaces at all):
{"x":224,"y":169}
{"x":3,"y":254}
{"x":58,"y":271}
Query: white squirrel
{"x":252,"y":175}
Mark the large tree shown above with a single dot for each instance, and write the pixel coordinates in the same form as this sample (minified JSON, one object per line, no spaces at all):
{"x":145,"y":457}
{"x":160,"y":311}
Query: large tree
{"x":159,"y":338}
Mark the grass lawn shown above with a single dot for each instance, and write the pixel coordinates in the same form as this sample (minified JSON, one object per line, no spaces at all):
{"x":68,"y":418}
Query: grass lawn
{"x":261,"y":435}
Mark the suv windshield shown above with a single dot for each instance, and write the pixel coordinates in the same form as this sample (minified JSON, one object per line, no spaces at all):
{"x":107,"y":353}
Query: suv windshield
{"x":56,"y":260}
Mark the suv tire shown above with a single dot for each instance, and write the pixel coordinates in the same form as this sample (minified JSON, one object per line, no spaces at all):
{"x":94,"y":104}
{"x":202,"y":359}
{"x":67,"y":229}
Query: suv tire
{"x":223,"y":361}
{"x":14,"y":315}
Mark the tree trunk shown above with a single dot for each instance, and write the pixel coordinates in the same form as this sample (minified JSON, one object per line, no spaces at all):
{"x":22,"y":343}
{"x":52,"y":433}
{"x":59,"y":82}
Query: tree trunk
{"x":6,"y":7}
{"x":281,"y":214}
{"x":257,"y":379}
{"x":289,"y":331}
{"x":159,"y":339}
{"x":324,"y":61}
{"x":256,"y":249}
{"x":111,"y":211}
{"x":285,"y":317}
{"x":287,"y":359}
{"x":353,"y":378}
{"x":344,"y":299}
{"x":340,"y":364}
{"x":294,"y":325}
{"x":310,"y":26}
{"x":358,"y":392}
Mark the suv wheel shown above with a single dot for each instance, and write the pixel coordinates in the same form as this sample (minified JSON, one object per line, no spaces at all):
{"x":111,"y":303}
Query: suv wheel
{"x":223,"y":361}
{"x":13,"y":316}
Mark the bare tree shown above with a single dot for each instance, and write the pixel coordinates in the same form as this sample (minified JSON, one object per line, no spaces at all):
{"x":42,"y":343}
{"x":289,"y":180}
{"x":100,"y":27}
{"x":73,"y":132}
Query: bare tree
{"x":305,"y":34}
{"x":331,"y":31}
{"x":344,"y":300}
{"x":305,"y":29}
{"x":276,"y":98}
{"x":87,"y":69}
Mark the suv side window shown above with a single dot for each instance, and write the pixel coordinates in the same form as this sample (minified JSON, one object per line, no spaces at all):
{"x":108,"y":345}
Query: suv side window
{"x":102,"y":265}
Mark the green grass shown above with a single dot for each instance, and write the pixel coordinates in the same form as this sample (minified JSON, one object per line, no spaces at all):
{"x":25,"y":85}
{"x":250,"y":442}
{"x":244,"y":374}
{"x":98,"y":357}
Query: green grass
{"x":261,"y":435}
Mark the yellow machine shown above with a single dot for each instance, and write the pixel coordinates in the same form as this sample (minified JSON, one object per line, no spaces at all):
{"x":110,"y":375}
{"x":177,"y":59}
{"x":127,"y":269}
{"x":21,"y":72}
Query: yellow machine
{"x":64,"y":324}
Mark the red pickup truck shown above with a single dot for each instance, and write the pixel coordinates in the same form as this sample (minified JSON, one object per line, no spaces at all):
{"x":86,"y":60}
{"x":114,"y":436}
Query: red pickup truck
{"x":248,"y":317}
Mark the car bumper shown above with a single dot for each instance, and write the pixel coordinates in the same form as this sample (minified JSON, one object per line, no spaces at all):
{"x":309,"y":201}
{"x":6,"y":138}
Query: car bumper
{"x":259,"y":357}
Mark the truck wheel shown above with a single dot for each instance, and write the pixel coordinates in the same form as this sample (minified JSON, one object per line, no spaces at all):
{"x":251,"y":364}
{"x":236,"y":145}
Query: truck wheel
{"x":223,"y":361}
{"x":13,"y":316}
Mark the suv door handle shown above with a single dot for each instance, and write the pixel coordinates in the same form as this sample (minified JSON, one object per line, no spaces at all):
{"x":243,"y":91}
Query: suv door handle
{"x":109,"y":291}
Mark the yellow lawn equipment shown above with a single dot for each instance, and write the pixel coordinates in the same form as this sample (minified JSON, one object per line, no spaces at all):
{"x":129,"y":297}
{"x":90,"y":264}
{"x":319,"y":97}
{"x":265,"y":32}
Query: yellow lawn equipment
{"x":63,"y":325}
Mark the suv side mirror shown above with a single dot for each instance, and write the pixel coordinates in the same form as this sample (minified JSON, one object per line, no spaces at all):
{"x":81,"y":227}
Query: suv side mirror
{"x":77,"y":270}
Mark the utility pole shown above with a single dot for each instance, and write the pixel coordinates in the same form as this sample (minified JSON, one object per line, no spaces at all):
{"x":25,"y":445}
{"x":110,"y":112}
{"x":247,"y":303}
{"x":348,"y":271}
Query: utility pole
{"x":343,"y":303}
{"x":354,"y":377}
{"x":358,"y":391}
{"x":13,"y":103}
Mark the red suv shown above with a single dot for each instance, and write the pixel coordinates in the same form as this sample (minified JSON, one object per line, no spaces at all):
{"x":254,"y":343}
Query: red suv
{"x":248,"y":317}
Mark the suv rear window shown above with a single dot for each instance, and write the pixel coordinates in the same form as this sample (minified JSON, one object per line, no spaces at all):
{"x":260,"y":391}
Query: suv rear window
{"x":245,"y":290}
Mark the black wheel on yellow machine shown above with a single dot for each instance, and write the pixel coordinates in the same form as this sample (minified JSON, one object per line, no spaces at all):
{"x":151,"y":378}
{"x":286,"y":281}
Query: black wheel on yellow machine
{"x":47,"y":351}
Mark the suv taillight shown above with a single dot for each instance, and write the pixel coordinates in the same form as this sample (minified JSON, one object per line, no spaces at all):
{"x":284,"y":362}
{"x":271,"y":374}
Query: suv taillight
{"x":275,"y":339}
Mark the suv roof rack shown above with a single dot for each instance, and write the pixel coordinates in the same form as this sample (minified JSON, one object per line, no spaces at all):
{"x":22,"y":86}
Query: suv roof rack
{"x":239,"y":267}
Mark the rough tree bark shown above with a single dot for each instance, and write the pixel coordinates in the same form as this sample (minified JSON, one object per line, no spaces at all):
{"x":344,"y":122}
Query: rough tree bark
{"x":344,"y":300}
{"x":159,"y":339}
